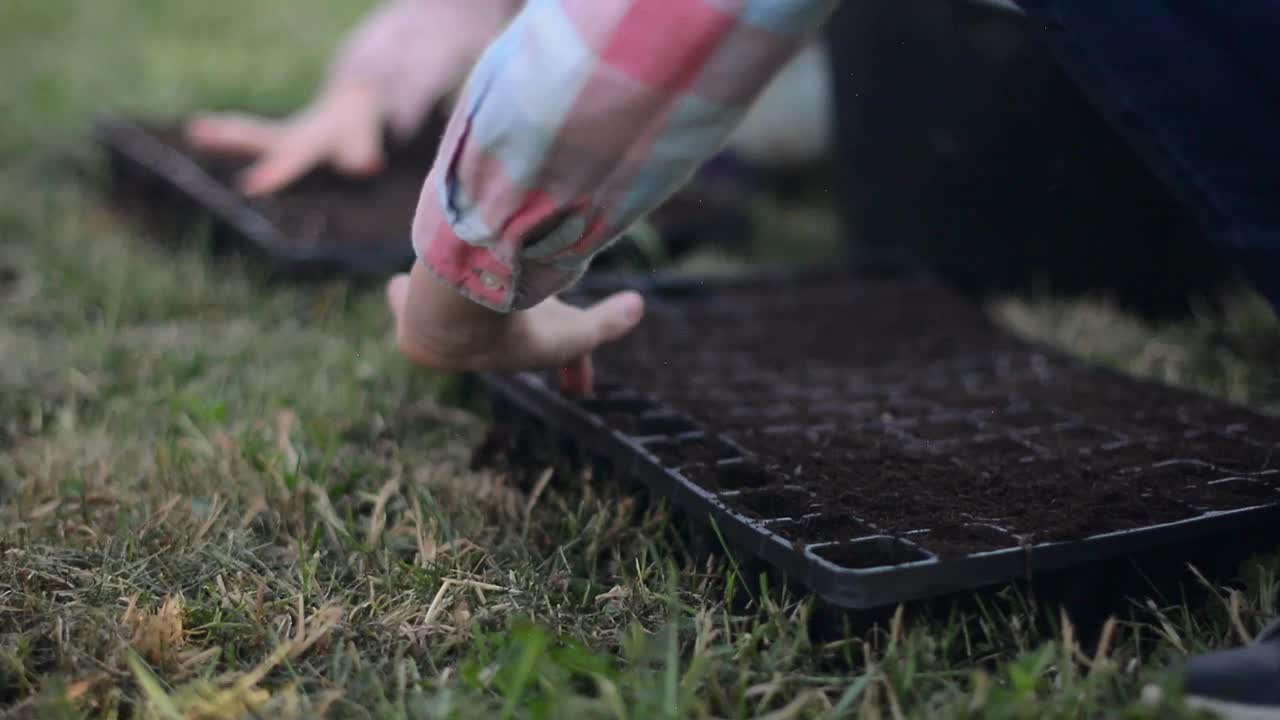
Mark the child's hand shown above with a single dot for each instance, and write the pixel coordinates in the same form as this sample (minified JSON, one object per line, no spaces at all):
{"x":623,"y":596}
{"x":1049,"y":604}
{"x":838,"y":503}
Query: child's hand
{"x":438,"y":328}
{"x":343,"y":127}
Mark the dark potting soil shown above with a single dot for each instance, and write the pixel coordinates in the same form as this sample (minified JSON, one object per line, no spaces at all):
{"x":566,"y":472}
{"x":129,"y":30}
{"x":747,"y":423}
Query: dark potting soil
{"x":764,"y":503}
{"x":824,"y":527}
{"x":734,"y":476}
{"x":892,"y":409}
{"x":871,"y":553}
{"x":700,"y":451}
{"x":966,"y":539}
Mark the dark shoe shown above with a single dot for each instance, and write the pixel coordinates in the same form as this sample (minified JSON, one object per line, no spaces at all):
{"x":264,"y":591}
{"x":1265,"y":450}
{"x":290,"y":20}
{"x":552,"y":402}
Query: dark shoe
{"x":1239,"y":684}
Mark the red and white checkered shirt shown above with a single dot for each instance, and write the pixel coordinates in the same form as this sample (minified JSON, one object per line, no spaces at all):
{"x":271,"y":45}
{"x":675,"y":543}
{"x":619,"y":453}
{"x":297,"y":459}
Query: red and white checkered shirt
{"x":582,"y":116}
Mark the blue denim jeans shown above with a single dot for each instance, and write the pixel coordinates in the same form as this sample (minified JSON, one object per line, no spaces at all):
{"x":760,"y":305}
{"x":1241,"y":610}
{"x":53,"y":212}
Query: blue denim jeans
{"x":1194,"y":86}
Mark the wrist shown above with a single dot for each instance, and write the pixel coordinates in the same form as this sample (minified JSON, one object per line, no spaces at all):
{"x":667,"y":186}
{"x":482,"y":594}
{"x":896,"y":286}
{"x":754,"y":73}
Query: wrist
{"x":353,"y":92}
{"x":444,"y":330}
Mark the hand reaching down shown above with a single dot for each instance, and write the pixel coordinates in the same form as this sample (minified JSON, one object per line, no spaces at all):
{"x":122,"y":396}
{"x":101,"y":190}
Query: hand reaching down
{"x":440,"y":329}
{"x":394,"y":68}
{"x":342,"y":128}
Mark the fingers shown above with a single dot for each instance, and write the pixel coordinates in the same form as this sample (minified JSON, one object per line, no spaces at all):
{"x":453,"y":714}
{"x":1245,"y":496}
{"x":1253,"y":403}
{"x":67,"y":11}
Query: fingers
{"x":285,"y":152}
{"x":578,"y":377}
{"x":233,"y":133}
{"x":555,"y":332}
{"x":343,"y":128}
{"x":602,"y":323}
{"x":283,"y":164}
{"x":438,"y":328}
{"x":615,"y":316}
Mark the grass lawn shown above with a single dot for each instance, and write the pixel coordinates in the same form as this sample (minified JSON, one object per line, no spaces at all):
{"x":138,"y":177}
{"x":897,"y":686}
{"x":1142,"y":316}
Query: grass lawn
{"x":220,"y":497}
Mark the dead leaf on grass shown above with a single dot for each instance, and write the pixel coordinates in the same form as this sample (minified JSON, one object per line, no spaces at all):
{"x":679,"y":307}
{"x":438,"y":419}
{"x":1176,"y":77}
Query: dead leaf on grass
{"x":157,"y":635}
{"x":286,"y":420}
{"x":616,"y":595}
{"x":44,"y":509}
{"x":378,"y":518}
{"x":257,"y":506}
{"x":80,"y":689}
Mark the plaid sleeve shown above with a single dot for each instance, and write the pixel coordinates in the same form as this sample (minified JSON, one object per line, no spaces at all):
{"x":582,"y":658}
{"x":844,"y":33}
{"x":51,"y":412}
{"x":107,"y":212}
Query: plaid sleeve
{"x":580,"y":118}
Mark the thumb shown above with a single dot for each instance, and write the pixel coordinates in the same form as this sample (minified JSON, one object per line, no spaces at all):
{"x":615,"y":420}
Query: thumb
{"x":559,"y":333}
{"x":616,"y":315}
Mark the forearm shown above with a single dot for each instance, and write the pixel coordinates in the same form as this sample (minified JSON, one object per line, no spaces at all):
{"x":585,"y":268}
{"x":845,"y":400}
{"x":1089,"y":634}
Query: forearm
{"x":412,"y":52}
{"x":446,"y":331}
{"x":576,"y":122}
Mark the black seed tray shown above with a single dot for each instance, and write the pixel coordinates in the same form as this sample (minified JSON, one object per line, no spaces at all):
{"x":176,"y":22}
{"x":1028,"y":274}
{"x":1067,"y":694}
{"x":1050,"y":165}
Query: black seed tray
{"x":934,"y":455}
{"x":320,"y":225}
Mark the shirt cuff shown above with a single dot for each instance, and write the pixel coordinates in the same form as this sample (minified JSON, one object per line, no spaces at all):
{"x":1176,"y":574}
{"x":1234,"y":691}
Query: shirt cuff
{"x":502,"y":276}
{"x":478,"y":273}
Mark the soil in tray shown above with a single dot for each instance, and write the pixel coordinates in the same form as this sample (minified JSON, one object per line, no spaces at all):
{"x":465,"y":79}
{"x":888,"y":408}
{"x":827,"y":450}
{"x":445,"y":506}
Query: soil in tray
{"x":733,"y":476}
{"x":874,"y":553}
{"x":700,"y":451}
{"x":965,"y":539}
{"x":772,"y":502}
{"x":646,"y":425}
{"x":1233,"y":493}
{"x":823,"y":528}
{"x":327,"y":207}
{"x":903,"y":354}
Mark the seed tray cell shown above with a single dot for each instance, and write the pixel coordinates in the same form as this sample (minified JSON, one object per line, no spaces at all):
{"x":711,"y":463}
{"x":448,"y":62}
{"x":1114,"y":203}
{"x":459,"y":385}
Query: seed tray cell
{"x":873,"y":494}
